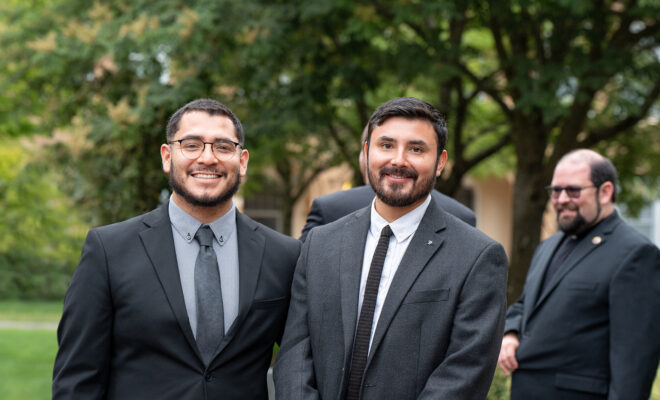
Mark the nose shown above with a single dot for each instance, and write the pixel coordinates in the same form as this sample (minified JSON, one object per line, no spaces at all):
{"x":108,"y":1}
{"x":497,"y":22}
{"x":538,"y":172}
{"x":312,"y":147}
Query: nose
{"x":400,"y":158}
{"x":563,"y":197}
{"x":207,"y":156}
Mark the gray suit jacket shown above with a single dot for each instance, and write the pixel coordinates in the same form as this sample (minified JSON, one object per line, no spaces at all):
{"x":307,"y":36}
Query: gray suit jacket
{"x":439,"y":331}
{"x":331,"y":207}
{"x":595,"y":330}
{"x":125,"y":333}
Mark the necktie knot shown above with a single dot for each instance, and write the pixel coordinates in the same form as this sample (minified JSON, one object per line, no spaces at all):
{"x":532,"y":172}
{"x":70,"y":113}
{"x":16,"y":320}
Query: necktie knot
{"x":386,"y":232}
{"x":204,"y":236}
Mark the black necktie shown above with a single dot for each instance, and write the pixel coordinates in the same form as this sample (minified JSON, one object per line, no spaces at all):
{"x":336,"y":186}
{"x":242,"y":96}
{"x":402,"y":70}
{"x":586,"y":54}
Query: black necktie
{"x":210,"y":315}
{"x":363,"y":332}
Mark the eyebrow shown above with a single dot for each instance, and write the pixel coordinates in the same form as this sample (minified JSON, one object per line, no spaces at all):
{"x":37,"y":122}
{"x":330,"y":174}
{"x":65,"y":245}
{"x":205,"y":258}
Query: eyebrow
{"x":411,"y":142}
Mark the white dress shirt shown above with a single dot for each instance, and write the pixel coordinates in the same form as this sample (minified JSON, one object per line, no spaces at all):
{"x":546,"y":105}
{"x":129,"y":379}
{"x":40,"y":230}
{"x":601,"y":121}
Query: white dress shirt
{"x":403,"y":230}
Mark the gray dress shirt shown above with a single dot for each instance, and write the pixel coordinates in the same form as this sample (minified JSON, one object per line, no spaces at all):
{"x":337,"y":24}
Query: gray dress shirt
{"x":184,"y":227}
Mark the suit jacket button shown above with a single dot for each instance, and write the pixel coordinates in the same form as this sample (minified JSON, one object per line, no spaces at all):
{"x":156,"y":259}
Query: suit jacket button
{"x":208,"y":377}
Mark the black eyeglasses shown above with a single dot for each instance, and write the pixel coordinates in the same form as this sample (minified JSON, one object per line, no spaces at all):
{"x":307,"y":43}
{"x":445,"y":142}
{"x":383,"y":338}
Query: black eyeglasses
{"x":192,"y":148}
{"x":571,"y":191}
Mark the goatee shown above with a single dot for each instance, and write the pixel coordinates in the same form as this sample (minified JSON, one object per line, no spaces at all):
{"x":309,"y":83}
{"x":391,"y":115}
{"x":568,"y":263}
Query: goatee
{"x":393,"y":194}
{"x":205,"y":200}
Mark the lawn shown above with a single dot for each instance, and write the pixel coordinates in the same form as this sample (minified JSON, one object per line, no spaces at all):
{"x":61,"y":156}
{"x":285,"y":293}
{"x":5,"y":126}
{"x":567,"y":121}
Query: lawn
{"x":26,"y":356}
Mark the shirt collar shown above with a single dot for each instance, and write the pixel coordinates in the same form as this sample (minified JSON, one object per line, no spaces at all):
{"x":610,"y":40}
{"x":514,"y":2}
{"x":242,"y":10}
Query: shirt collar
{"x":403,"y":227}
{"x":186,"y":225}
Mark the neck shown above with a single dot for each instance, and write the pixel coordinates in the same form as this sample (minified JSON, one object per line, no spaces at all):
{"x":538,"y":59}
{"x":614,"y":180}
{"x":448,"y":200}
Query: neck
{"x":391,"y":213}
{"x":203,"y":214}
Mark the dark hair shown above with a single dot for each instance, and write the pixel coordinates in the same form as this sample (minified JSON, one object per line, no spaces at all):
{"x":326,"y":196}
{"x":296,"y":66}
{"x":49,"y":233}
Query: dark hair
{"x":209,"y":106}
{"x":603,"y":171}
{"x":411,"y":108}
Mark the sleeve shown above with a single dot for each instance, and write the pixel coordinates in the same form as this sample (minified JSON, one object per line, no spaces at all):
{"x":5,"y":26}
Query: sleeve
{"x":635,"y":324}
{"x":84,"y":333}
{"x":467,"y":369}
{"x":294,"y":368}
{"x":314,"y":218}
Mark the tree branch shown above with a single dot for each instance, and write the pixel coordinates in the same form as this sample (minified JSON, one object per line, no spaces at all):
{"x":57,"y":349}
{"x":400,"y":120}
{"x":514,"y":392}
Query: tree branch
{"x":604,"y":133}
{"x":484,"y":87}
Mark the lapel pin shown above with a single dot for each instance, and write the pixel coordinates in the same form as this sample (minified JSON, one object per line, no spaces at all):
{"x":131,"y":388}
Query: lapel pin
{"x":430,"y":242}
{"x":596,"y":240}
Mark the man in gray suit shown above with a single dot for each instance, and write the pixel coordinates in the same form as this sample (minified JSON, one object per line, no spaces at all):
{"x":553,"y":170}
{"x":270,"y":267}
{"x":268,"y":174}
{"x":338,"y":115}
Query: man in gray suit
{"x":587,"y":324}
{"x":418,"y":318}
{"x":184,"y":302}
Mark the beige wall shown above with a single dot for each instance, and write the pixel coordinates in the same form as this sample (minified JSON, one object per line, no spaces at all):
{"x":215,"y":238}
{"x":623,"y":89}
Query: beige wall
{"x":493,"y":205}
{"x":330,"y":181}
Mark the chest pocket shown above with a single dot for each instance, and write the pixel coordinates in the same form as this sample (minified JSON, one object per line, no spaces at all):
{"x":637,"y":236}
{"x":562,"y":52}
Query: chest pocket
{"x":427,"y":296}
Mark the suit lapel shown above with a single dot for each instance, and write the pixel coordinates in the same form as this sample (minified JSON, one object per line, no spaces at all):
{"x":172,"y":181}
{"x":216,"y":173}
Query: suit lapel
{"x":350,"y":271}
{"x":159,"y":244}
{"x":596,"y":238}
{"x":536,"y":281}
{"x":426,"y":241}
{"x":251,"y":245}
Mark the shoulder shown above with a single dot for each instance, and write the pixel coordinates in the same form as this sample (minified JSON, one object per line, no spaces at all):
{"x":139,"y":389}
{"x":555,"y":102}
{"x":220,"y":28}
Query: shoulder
{"x":454,"y":207}
{"x":357,"y":194}
{"x":273,"y":238}
{"x":135,"y":224}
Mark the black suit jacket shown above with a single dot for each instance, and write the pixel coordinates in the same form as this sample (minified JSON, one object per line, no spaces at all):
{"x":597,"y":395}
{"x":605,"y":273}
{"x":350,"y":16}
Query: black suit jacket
{"x":595,"y":329}
{"x":125,"y":333}
{"x":331,"y":207}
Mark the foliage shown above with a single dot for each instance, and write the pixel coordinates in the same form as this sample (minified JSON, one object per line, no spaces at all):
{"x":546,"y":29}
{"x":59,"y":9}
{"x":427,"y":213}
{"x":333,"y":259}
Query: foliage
{"x":41,"y":236}
{"x":522,"y":83}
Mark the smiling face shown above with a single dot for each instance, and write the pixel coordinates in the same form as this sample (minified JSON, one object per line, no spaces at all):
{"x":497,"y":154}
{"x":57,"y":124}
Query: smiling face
{"x":402,"y":164}
{"x":204,"y":186}
{"x":576,"y":215}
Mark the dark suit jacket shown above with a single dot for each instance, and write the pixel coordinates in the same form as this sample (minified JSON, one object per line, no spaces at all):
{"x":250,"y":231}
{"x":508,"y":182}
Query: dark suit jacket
{"x":438,"y":335}
{"x":331,"y":207}
{"x":125,"y":333}
{"x":595,"y":329}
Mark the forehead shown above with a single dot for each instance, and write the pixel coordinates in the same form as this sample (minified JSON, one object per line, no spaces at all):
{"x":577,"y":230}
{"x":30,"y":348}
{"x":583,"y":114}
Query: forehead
{"x":572,"y":173}
{"x":406,"y":129}
{"x":204,"y":125}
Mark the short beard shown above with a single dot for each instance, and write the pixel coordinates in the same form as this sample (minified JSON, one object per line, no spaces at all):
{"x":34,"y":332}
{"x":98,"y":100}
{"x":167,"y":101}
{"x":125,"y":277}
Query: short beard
{"x":421,"y":187}
{"x":579,"y":224}
{"x":205,"y":201}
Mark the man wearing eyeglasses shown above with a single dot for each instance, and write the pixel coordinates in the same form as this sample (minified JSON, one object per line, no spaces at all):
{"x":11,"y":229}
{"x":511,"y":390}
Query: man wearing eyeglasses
{"x":187,"y":301}
{"x":586,"y":325}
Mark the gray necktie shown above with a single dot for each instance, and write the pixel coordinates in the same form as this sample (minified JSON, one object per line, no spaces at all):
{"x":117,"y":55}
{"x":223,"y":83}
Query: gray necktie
{"x":210,"y":315}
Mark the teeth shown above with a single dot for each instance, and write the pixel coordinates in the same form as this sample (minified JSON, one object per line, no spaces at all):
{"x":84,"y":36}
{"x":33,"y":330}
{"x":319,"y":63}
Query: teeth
{"x":206,"y":175}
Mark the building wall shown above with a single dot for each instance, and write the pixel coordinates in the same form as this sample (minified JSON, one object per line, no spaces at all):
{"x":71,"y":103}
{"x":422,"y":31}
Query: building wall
{"x":493,"y":206}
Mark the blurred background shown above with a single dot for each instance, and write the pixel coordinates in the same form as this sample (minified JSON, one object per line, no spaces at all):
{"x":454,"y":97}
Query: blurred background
{"x":86,"y":89}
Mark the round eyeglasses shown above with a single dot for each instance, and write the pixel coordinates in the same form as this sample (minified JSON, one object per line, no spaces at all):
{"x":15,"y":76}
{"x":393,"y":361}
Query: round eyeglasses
{"x":192,"y":148}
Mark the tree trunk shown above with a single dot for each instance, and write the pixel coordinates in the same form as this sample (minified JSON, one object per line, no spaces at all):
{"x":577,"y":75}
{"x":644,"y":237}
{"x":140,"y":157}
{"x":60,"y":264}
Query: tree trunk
{"x":528,"y":204}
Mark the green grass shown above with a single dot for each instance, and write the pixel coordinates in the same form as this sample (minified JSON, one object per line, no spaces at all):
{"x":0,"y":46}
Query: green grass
{"x":26,"y":364}
{"x":26,"y":356}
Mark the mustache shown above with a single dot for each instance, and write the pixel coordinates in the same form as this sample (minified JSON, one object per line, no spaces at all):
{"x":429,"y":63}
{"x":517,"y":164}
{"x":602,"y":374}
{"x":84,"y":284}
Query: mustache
{"x":209,"y":170}
{"x":569,"y":206}
{"x":405,"y":172}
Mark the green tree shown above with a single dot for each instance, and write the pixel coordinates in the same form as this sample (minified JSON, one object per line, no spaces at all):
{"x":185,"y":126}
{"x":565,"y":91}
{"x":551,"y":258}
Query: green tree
{"x":40,"y":234}
{"x":544,"y":77}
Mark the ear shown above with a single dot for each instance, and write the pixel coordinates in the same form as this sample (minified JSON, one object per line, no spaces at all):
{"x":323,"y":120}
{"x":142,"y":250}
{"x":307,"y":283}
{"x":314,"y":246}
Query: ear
{"x":442,"y":161}
{"x":245,"y":157}
{"x":166,"y":157}
{"x":605,"y":193}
